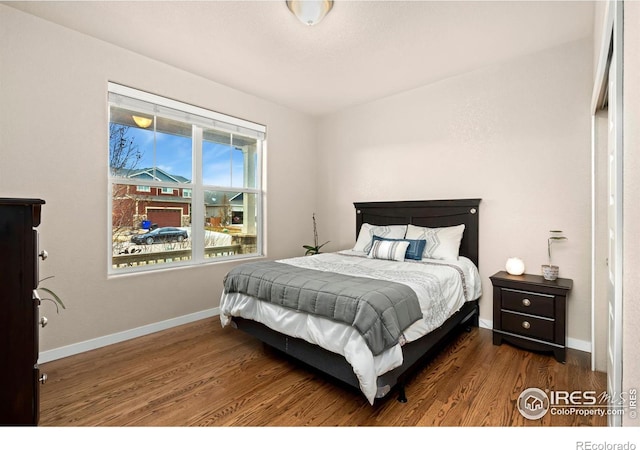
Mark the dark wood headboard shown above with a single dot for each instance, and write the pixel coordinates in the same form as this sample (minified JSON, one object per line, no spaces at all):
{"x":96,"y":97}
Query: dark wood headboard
{"x":427,"y":213}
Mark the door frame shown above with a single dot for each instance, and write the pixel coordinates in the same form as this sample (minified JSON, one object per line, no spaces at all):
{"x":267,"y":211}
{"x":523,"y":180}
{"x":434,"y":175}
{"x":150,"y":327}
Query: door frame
{"x":611,"y":52}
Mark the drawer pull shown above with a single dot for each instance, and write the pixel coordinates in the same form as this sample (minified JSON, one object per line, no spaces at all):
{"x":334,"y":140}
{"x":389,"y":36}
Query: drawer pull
{"x":526,"y":302}
{"x":526,"y":325}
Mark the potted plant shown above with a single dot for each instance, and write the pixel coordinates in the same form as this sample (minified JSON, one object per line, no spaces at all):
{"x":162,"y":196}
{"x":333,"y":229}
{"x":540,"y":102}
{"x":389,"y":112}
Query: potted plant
{"x":314,"y":249}
{"x":549,"y":271}
{"x":55,"y":300}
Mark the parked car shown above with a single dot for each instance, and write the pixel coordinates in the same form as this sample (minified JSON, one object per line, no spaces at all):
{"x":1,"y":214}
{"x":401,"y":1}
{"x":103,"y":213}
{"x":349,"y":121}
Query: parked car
{"x":163,"y":234}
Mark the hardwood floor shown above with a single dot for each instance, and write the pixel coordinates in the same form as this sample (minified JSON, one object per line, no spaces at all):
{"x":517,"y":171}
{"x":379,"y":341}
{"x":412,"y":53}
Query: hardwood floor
{"x":200,"y":374}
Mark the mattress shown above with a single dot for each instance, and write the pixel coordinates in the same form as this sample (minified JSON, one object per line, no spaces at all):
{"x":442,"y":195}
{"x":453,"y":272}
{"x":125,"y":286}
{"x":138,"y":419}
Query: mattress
{"x":442,"y":288}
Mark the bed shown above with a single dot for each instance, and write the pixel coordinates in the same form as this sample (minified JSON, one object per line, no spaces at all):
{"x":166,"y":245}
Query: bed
{"x":375,"y":354}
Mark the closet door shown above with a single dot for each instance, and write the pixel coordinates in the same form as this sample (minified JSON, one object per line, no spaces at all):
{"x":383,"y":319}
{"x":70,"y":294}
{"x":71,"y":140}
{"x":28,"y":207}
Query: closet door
{"x":614,"y":219}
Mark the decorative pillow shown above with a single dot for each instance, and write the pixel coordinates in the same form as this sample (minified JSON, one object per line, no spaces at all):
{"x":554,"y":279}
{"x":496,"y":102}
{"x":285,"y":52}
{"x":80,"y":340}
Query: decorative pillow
{"x":415,"y":249}
{"x":365,"y":236}
{"x":390,"y":250}
{"x":442,"y":243}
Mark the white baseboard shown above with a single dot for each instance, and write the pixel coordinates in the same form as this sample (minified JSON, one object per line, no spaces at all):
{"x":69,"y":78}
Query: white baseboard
{"x":92,"y":344}
{"x":576,"y":344}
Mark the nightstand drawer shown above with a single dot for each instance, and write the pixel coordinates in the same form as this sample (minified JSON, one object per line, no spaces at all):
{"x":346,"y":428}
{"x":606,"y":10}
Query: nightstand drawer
{"x":528,"y":302}
{"x":525,"y":325}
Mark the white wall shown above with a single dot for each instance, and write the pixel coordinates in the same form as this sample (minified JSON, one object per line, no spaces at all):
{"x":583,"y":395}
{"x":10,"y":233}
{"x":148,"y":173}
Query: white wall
{"x":599,"y":17}
{"x":516,"y":135}
{"x":53,"y":144}
{"x":631,"y":198}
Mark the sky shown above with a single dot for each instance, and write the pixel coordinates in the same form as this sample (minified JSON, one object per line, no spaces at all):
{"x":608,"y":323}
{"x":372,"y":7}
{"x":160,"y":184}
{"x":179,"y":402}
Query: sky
{"x":222,"y":164}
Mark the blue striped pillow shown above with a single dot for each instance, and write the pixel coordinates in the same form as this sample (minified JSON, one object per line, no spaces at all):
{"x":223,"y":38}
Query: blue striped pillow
{"x":393,"y":250}
{"x":415,"y":249}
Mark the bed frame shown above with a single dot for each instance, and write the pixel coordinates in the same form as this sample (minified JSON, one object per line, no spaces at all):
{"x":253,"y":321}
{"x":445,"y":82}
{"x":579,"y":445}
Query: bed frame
{"x":428,"y":213}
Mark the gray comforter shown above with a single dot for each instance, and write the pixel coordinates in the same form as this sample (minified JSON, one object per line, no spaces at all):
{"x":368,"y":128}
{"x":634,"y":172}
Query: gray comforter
{"x":380,"y":310}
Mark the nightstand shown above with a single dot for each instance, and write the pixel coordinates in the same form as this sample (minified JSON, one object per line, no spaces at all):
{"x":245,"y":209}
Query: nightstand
{"x":530,"y":312}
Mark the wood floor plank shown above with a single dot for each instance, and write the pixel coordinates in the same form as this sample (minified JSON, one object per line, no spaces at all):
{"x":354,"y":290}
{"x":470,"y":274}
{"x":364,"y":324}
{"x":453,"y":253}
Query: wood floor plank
{"x":200,"y":374}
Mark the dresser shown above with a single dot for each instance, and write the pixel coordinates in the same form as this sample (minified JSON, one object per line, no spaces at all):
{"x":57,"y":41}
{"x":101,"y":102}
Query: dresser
{"x":19,"y":311}
{"x":530,"y":312}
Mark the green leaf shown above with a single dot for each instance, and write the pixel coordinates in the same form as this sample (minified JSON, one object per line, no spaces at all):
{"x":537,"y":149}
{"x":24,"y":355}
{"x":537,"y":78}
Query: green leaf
{"x":54,"y":295}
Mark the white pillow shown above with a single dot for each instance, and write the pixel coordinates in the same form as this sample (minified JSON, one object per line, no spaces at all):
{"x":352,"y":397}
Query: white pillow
{"x":389,"y":250}
{"x":365,"y":236}
{"x":442,"y":243}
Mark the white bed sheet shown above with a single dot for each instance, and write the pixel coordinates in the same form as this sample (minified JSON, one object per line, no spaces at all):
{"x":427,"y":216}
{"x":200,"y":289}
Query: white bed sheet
{"x":439,"y":286}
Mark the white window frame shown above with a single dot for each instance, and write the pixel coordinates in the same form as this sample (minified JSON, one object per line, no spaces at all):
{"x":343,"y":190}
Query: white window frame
{"x":200,"y":118}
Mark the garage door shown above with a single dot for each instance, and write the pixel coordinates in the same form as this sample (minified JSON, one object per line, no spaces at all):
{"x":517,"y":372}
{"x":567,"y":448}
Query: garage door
{"x":164,"y":217}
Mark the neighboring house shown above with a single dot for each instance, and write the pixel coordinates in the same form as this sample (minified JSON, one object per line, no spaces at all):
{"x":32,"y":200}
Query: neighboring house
{"x":164,"y":206}
{"x":171,"y":206}
{"x":224,"y":209}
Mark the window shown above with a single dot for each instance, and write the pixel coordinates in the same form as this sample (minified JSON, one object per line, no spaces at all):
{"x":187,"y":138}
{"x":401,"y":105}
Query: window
{"x":185,"y":183}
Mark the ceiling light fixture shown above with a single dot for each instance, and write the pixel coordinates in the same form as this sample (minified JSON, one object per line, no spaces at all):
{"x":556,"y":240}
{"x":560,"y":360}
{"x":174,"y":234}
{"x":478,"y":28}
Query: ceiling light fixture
{"x":142,"y":122}
{"x":310,"y":12}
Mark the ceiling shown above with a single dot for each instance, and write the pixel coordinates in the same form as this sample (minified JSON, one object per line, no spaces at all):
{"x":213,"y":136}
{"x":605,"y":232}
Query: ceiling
{"x":362,"y":51}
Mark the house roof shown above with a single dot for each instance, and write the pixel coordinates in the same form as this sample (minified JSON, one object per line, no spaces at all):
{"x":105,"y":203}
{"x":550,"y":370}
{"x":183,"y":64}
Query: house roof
{"x":154,"y":174}
{"x":211,"y":197}
{"x":217,"y":198}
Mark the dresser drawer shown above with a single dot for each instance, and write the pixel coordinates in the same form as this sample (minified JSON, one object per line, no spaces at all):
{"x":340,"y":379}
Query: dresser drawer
{"x":528,"y":326}
{"x":528,"y":302}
